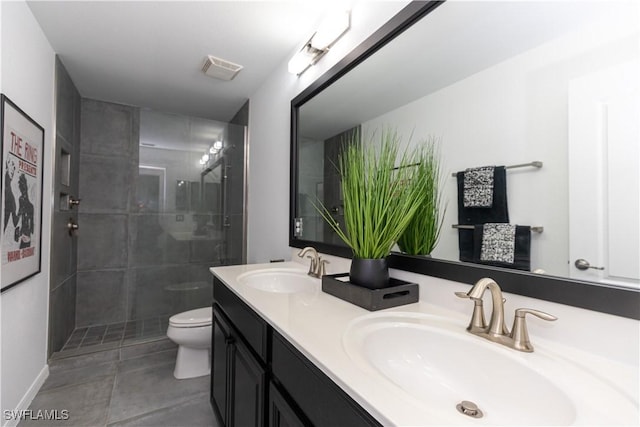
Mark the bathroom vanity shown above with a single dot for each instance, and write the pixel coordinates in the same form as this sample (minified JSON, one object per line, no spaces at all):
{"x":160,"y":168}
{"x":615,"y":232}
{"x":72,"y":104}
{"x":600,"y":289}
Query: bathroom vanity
{"x":259,"y":378}
{"x":285,"y":353}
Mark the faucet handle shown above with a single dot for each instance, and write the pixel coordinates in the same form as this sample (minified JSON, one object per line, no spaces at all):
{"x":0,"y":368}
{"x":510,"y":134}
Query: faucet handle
{"x":321,"y":267}
{"x":521,"y":312}
{"x":478,"y":322}
{"x":519,"y":332}
{"x":312,"y":265}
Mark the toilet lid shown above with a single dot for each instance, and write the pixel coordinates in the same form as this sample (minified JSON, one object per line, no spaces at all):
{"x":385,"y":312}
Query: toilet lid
{"x":192,"y":318}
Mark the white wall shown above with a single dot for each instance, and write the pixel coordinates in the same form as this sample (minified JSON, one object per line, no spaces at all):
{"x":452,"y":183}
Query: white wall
{"x":28,"y":80}
{"x":511,"y":113}
{"x":269,"y":142}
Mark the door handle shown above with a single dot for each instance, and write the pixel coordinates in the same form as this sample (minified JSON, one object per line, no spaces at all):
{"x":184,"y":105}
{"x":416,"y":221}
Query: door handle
{"x":583,"y":264}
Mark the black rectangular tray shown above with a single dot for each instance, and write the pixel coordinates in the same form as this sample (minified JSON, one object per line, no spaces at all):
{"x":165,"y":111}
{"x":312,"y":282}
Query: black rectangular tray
{"x":397,"y":293}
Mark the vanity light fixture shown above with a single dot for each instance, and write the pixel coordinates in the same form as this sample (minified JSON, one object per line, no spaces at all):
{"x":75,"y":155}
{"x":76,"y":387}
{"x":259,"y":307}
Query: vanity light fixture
{"x":211,"y":153}
{"x":330,"y":30}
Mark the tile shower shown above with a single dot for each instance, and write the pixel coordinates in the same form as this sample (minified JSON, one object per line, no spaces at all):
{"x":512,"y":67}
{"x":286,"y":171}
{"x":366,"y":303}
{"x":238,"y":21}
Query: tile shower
{"x":152,"y":220}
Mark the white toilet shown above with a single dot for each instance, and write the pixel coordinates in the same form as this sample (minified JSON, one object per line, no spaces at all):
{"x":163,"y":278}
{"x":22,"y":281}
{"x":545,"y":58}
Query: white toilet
{"x":191,"y":330}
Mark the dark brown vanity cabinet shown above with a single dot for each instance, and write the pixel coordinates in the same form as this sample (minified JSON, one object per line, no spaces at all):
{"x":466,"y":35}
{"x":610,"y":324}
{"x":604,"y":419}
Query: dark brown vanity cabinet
{"x":259,"y":379}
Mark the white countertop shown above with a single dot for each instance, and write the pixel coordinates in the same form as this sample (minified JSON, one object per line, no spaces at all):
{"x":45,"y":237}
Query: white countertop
{"x":315,"y":322}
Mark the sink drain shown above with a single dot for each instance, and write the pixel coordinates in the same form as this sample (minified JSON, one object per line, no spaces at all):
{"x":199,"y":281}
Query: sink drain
{"x":469,"y":409}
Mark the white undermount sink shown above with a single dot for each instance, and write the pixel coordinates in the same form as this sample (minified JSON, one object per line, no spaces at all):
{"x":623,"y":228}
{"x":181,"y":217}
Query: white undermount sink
{"x":279,"y":280}
{"x":437,"y":364}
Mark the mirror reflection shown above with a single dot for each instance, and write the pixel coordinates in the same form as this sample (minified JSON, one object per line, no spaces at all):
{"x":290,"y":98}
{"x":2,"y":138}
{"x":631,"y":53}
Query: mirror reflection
{"x":503,"y":84}
{"x":190,"y":207}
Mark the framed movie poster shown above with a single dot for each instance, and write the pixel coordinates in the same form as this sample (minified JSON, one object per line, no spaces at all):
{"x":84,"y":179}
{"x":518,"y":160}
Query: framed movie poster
{"x":22,"y":163}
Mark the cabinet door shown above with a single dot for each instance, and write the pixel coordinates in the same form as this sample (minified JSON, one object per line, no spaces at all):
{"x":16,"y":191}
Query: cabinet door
{"x":315,"y":394}
{"x":221,"y":346}
{"x":281,"y":414}
{"x":247,"y":389}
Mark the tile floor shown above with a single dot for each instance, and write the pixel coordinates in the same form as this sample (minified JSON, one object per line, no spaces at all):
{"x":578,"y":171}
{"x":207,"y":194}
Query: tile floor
{"x":125,"y":387}
{"x":117,"y":333}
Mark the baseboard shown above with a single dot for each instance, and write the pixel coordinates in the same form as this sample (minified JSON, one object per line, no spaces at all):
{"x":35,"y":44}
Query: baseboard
{"x":27,"y":398}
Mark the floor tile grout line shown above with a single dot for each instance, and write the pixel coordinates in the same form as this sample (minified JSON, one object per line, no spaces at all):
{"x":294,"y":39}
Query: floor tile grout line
{"x":83,"y":337}
{"x":164,"y":408}
{"x":98,"y":378}
{"x":110,"y":403}
{"x":113,"y":389}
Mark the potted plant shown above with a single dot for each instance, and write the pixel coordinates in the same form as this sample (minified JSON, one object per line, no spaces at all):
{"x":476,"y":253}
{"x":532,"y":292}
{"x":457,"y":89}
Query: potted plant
{"x":422,"y":233}
{"x":380,"y":199}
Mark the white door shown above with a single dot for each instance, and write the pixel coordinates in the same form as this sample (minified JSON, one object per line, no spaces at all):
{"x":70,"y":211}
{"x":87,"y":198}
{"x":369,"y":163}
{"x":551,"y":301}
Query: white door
{"x":604,"y":175}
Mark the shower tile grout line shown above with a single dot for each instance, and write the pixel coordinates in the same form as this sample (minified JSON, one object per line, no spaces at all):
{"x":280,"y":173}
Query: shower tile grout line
{"x":130,"y":331}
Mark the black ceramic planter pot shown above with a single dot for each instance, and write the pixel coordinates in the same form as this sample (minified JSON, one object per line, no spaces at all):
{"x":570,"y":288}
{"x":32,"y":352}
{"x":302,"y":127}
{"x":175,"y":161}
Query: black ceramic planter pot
{"x":369,"y":273}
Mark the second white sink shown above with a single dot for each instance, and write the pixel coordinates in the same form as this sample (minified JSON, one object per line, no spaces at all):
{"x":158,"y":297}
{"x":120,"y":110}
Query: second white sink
{"x":439,"y":365}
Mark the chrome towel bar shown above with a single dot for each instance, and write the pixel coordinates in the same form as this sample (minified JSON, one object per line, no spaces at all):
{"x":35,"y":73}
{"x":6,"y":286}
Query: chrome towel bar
{"x":535,"y":164}
{"x":537,"y":229}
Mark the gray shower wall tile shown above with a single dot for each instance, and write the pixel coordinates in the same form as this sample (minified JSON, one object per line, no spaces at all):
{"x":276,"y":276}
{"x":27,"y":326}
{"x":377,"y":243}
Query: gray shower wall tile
{"x":146,"y":239}
{"x":106,"y":184}
{"x":109,"y":129}
{"x":151,"y":244}
{"x":235,"y":189}
{"x":201,"y":273}
{"x":61,"y":185}
{"x":205,"y":250}
{"x":62,"y":314}
{"x":101,"y":297}
{"x":75,"y":153}
{"x":150,"y":291}
{"x":102,"y":241}
{"x":67,"y":98}
{"x":235,"y":240}
{"x":63,"y":252}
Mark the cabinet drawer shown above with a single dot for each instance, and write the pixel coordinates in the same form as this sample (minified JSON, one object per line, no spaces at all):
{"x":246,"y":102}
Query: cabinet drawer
{"x":250,"y":326}
{"x":319,"y":398}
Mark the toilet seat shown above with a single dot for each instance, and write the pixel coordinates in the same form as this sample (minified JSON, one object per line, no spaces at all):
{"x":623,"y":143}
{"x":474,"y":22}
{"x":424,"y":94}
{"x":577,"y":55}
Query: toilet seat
{"x":192,"y":318}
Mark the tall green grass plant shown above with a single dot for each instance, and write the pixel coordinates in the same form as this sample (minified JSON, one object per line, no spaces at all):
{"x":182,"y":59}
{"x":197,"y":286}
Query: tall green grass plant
{"x":423,"y":231}
{"x":379,"y":193}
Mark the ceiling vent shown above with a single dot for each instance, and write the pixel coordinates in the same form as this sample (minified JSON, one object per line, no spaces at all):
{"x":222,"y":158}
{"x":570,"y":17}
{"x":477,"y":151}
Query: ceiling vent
{"x":220,"y":69}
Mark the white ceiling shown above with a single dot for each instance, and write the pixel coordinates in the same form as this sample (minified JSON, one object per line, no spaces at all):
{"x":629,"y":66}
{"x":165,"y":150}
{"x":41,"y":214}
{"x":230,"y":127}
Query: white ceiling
{"x":150,"y":53}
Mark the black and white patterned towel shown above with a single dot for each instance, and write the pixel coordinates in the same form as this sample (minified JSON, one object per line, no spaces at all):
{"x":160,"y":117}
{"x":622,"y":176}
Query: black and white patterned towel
{"x":498,"y":242}
{"x":478,"y":187}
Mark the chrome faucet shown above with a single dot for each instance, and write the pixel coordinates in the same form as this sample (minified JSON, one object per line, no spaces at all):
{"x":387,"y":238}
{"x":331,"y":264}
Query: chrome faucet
{"x":317,"y":264}
{"x":497,"y":331}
